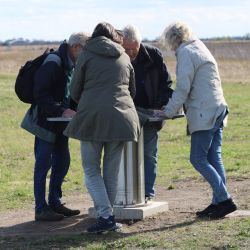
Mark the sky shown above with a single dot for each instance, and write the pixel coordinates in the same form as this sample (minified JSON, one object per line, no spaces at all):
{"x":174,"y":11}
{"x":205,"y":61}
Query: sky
{"x":57,"y":19}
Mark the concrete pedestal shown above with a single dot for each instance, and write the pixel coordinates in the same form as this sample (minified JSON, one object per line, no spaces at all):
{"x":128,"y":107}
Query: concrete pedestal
{"x":130,"y":199}
{"x":137,"y":212}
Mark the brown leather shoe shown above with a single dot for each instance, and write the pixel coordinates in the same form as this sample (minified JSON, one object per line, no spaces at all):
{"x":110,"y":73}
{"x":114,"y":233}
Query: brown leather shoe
{"x":47,"y":214}
{"x":62,"y":210}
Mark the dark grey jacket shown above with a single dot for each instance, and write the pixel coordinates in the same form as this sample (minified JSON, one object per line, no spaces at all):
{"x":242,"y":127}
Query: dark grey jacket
{"x":157,"y":79}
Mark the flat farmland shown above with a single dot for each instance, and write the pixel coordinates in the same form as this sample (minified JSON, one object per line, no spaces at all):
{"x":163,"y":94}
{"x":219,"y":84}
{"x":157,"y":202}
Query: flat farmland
{"x":233,"y":58}
{"x":177,"y":182}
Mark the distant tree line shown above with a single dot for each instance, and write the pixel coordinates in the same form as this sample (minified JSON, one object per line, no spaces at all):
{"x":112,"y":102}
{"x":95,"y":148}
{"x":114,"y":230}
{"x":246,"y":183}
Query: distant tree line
{"x":221,"y":38}
{"x":228,"y":38}
{"x":22,"y":41}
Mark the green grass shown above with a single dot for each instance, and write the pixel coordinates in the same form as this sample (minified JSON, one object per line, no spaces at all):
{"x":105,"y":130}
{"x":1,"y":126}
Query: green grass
{"x":16,"y":178}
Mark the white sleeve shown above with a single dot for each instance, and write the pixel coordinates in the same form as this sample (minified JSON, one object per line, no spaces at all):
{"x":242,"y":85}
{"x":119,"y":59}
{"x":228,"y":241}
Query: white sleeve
{"x":185,"y":70}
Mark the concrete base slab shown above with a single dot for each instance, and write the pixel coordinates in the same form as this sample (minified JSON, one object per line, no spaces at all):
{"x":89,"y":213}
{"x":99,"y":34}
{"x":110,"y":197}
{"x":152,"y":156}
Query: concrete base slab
{"x":137,"y":212}
{"x":240,"y":213}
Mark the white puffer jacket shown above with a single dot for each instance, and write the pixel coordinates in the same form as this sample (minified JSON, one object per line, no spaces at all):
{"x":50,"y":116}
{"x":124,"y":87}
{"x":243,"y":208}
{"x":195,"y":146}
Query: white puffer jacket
{"x":198,"y":87}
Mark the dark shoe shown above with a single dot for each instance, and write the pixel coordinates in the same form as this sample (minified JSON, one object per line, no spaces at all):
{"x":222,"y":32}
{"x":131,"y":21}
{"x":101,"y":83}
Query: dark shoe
{"x":222,"y":209}
{"x":47,"y":214}
{"x":206,"y":211}
{"x":104,"y":225}
{"x":148,"y":199}
{"x":65,"y":211}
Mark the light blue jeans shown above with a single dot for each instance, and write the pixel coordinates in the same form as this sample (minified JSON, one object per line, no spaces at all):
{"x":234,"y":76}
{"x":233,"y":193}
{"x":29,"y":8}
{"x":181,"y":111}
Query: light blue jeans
{"x":150,"y":158}
{"x":206,"y":158}
{"x":102,"y":190}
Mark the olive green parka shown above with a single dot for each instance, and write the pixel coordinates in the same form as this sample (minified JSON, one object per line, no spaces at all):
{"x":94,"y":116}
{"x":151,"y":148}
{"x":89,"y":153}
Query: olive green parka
{"x":103,"y":86}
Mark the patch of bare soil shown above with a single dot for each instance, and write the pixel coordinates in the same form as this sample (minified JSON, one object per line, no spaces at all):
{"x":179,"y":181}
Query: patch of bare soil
{"x":186,"y":197}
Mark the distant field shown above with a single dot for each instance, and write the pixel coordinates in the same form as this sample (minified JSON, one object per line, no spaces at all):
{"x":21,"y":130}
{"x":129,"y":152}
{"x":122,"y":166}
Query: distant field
{"x":182,"y":230}
{"x":233,"y":58}
{"x":12,"y":57}
{"x":235,"y":68}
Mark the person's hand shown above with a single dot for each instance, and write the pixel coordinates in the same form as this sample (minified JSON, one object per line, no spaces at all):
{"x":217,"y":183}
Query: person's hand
{"x":68,"y":113}
{"x":160,"y":113}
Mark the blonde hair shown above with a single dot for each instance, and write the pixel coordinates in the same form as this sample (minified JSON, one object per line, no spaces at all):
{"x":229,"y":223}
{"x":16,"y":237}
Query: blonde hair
{"x":175,"y":34}
{"x":78,"y":38}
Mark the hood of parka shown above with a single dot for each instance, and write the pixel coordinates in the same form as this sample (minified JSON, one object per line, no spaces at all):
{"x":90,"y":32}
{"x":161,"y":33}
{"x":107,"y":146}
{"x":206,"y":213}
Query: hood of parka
{"x":103,"y":46}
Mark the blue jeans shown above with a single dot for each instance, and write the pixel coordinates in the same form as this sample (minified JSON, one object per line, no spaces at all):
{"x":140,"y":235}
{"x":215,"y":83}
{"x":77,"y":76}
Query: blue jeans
{"x":54,"y":156}
{"x":150,"y":158}
{"x":206,"y":158}
{"x":103,"y":190}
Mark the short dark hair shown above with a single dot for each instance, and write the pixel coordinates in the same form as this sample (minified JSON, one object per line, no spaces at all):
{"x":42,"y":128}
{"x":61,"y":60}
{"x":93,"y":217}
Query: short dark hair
{"x":107,"y":30}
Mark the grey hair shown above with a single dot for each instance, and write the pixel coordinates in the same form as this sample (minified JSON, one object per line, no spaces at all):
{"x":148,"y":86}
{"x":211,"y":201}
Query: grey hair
{"x":175,"y":34}
{"x":78,"y":38}
{"x":132,"y":34}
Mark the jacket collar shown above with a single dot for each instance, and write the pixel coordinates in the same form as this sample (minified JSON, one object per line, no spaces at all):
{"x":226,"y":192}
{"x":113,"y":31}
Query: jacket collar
{"x":143,"y":56}
{"x":63,"y":52}
{"x":183,"y":45}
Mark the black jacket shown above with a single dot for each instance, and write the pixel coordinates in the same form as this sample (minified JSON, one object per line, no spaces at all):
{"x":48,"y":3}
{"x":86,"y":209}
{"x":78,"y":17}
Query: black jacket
{"x":49,"y":90}
{"x":157,"y":80}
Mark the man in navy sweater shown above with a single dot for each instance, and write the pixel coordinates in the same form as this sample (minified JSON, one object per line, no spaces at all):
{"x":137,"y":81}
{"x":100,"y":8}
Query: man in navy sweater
{"x":51,"y":99}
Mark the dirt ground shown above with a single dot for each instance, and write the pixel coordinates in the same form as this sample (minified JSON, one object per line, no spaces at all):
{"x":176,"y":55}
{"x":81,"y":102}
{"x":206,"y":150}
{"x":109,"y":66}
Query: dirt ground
{"x":187,"y":196}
